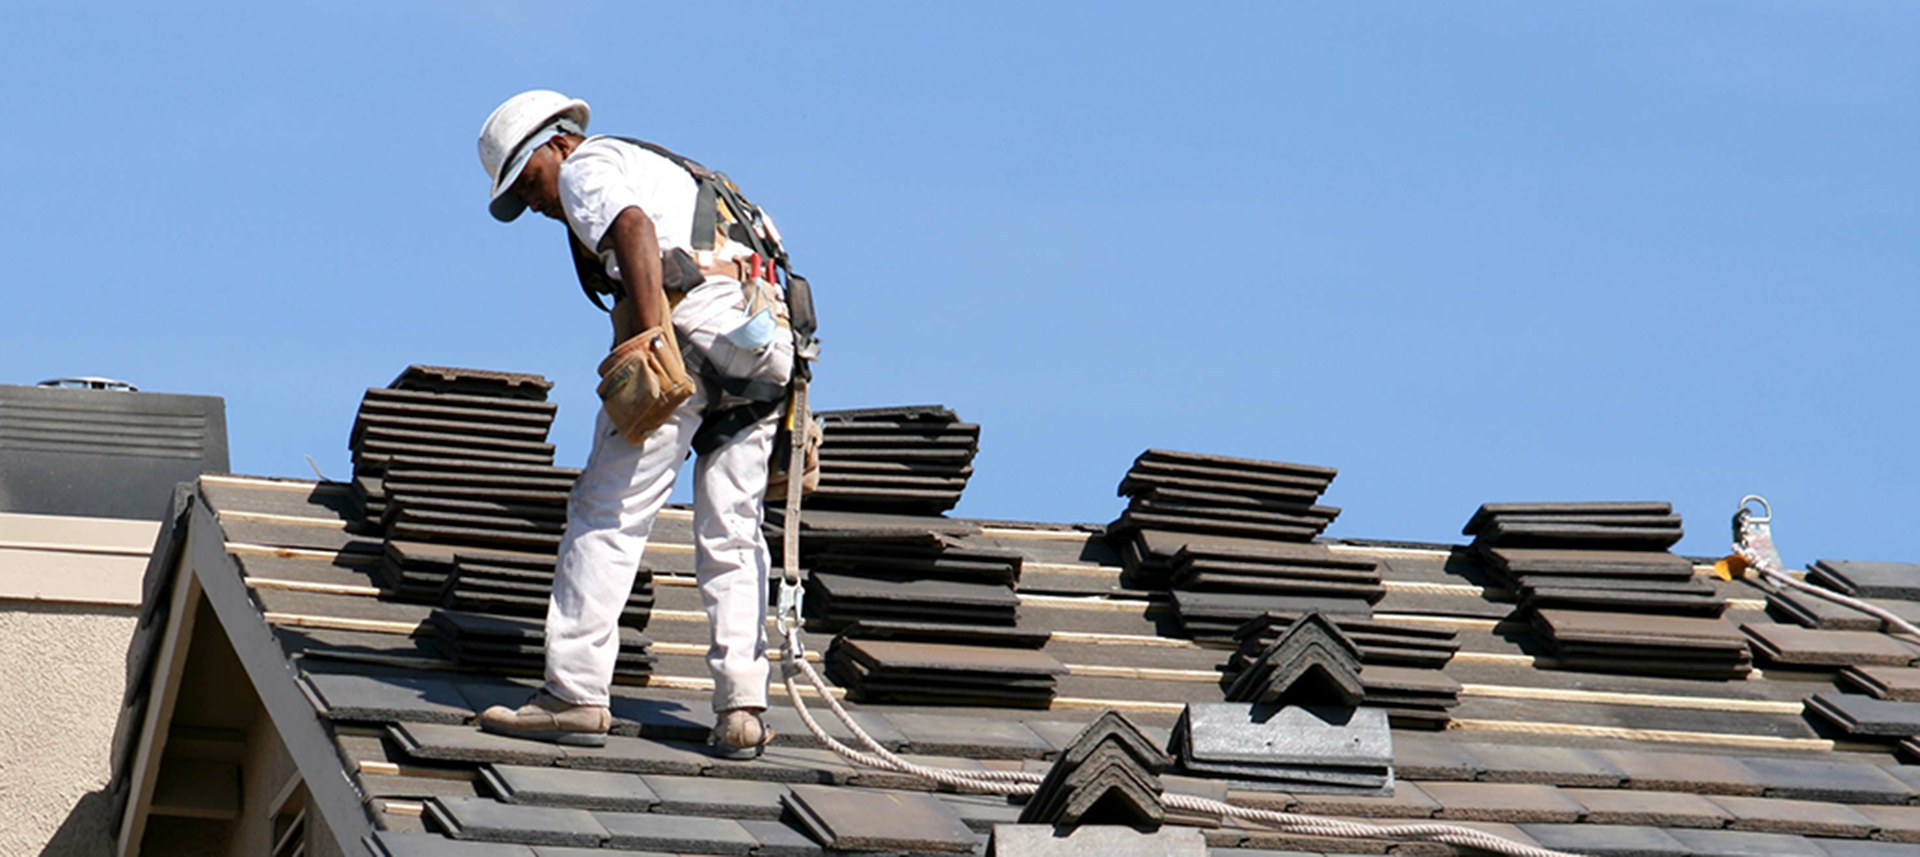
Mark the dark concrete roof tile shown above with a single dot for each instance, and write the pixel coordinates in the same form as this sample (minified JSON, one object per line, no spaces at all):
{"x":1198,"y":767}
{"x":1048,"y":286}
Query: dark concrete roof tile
{"x":1805,"y":817}
{"x":415,"y":788}
{"x":1901,"y":684}
{"x":392,"y":843}
{"x":1699,"y":773}
{"x":468,"y":744}
{"x":1864,"y":715}
{"x":1605,"y":840}
{"x":1658,"y":809}
{"x":1558,"y":766}
{"x":1407,"y":801}
{"x":1868,"y":579}
{"x":981,"y":813}
{"x":716,"y":797}
{"x":786,"y":723}
{"x":1039,"y":840}
{"x":637,"y":755}
{"x":565,"y":851}
{"x":1863,"y":848}
{"x":873,"y":821}
{"x":1894,"y":823}
{"x":388,"y":698}
{"x":1509,"y":802}
{"x":971,"y":737}
{"x":1819,"y":779}
{"x":780,"y":839}
{"x":676,"y":833}
{"x":488,"y":820}
{"x":1740,"y":843}
{"x":563,"y":787}
{"x":1428,"y":757}
{"x":1793,"y":645}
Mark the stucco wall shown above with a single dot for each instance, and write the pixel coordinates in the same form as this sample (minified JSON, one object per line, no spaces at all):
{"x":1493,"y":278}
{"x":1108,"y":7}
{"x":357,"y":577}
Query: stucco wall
{"x":61,"y":677}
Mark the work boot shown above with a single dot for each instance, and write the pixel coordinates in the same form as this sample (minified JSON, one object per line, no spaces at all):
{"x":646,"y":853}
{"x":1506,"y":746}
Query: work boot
{"x":549,"y":718}
{"x":739,"y":733}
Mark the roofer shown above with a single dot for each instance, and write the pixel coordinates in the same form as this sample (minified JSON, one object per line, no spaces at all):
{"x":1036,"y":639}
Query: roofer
{"x":689,"y":261}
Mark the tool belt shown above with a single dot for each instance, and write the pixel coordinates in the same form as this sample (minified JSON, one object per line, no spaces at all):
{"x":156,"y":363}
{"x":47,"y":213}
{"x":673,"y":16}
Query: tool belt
{"x":643,"y":381}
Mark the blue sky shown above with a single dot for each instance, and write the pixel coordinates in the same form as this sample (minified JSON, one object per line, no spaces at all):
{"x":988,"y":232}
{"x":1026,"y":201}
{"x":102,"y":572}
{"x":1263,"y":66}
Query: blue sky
{"x":1464,"y":252}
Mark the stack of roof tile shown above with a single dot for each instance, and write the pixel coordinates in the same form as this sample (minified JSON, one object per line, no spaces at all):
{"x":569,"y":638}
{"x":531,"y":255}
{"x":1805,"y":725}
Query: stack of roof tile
{"x":1193,"y":493}
{"x":1313,"y":661}
{"x":874,"y":566}
{"x":460,"y":456}
{"x":498,"y":644}
{"x":1109,"y":774}
{"x":1380,"y":643}
{"x":1294,"y":748}
{"x":1644,"y":645}
{"x":911,"y":460}
{"x":522,"y":585}
{"x":1216,"y":616}
{"x":1597,"y":556}
{"x":1159,"y":559}
{"x":930,"y":664}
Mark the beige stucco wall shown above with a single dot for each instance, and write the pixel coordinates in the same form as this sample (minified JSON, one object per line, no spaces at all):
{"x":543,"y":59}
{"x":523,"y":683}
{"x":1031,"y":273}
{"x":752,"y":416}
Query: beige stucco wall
{"x":61,"y":678}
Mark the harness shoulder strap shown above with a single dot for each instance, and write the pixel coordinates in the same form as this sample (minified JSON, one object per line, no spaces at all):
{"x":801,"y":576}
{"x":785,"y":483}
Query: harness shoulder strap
{"x":593,"y":278}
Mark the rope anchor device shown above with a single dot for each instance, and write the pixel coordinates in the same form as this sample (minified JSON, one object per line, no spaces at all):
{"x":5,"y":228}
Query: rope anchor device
{"x":1753,"y":549}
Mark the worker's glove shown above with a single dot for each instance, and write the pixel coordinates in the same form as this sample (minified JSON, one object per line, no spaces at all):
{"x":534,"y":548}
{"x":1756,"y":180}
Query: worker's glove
{"x":643,"y":381}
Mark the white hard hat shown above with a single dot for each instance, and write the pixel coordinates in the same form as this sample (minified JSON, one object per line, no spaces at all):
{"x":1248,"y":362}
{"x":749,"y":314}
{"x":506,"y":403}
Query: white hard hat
{"x":508,"y":138}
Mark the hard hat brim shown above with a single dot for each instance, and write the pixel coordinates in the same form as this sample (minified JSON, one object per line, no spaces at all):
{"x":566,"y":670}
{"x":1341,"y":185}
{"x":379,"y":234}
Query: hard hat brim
{"x":506,"y":206}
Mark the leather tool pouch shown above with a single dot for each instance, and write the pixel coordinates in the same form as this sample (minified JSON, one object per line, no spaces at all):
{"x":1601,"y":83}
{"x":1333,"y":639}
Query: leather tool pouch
{"x":642,"y":382}
{"x":783,"y":450}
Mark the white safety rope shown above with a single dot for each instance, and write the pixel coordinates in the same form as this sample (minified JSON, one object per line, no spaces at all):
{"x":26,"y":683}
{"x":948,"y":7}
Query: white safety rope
{"x":1021,"y":783}
{"x":1753,"y":542}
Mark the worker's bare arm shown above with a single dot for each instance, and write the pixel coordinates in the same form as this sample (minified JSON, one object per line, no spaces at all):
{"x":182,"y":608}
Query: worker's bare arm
{"x":637,"y":248}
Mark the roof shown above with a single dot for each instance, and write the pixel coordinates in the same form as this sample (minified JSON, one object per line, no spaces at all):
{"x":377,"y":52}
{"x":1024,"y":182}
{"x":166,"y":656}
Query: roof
{"x":1586,"y":761}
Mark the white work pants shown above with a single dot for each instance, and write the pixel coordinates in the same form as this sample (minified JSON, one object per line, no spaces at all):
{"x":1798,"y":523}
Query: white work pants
{"x":611,"y":513}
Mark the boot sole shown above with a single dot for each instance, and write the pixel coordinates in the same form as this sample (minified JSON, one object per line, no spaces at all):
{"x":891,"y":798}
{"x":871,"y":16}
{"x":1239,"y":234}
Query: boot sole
{"x":738,"y":754}
{"x":569,"y":739}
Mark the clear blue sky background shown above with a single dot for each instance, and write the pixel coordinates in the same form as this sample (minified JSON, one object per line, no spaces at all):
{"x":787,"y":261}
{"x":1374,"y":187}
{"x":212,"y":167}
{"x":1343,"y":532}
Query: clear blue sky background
{"x":1464,"y":252}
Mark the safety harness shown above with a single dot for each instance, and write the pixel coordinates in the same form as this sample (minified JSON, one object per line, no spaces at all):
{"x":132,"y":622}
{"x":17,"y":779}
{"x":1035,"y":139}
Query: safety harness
{"x":722,"y":213}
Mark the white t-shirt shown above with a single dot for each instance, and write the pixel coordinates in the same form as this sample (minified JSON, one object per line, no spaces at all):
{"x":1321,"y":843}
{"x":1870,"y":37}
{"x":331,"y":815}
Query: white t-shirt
{"x":605,"y":176}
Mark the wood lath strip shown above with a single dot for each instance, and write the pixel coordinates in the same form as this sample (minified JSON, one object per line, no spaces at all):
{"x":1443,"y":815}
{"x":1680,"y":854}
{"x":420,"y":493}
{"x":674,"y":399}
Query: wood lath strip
{"x":311,"y":586}
{"x":347,"y":557}
{"x":290,"y":520}
{"x":1643,"y":700}
{"x":337,"y":623}
{"x":1652,"y":736}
